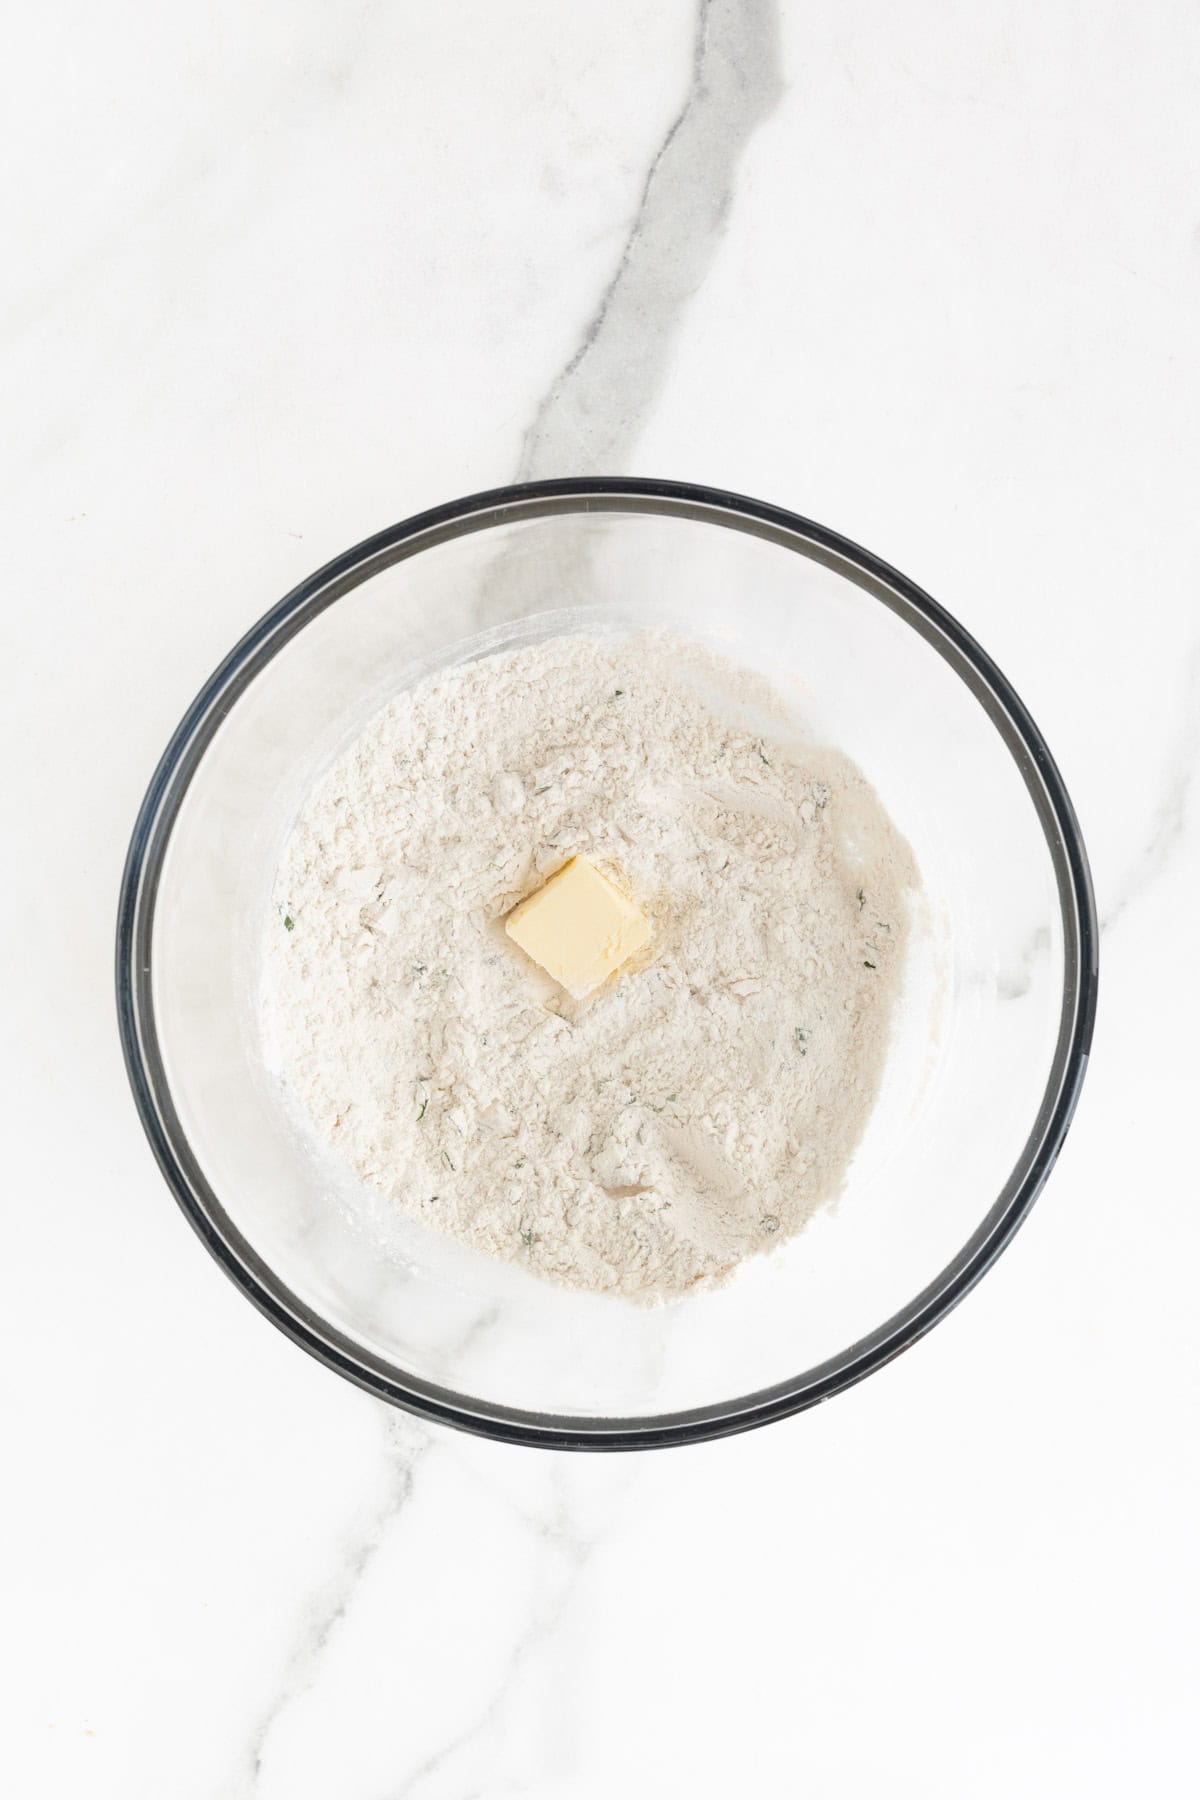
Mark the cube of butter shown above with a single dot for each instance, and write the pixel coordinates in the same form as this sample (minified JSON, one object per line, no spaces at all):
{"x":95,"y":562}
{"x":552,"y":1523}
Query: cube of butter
{"x":579,"y":927}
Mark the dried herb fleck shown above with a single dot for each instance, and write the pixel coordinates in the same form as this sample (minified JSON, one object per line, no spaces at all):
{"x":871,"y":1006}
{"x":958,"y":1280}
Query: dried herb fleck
{"x":289,"y":924}
{"x":868,"y":965}
{"x":424,"y":1107}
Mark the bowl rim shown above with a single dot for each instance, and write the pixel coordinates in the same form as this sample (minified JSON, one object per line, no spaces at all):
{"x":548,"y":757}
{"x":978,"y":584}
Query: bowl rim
{"x":476,"y":512}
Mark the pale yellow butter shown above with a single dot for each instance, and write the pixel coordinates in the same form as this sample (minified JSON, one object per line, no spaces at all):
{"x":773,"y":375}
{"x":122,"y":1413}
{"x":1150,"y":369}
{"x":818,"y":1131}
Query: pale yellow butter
{"x":579,"y":927}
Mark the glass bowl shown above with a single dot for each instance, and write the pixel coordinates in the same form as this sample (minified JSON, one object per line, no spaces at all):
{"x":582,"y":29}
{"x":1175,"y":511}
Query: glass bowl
{"x":986,"y":1058}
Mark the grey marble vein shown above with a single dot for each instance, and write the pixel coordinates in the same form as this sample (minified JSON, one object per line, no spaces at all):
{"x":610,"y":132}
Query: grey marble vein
{"x":1015,"y":981}
{"x":572,"y":1549}
{"x":590,"y":417}
{"x":1170,"y":818}
{"x":407,"y":1442}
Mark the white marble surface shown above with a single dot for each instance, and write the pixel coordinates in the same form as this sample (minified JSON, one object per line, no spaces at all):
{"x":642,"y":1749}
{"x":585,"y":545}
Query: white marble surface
{"x":277,"y":275}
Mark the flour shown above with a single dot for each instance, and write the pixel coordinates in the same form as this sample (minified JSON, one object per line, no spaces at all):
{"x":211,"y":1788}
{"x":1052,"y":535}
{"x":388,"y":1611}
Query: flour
{"x":702,"y":1104}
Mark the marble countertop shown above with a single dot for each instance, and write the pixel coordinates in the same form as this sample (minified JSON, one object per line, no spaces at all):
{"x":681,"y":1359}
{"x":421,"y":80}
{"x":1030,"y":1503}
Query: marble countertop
{"x":279,"y":275}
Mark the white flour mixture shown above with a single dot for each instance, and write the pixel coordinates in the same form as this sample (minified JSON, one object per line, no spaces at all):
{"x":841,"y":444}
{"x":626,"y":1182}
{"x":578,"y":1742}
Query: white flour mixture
{"x":703,"y":1103}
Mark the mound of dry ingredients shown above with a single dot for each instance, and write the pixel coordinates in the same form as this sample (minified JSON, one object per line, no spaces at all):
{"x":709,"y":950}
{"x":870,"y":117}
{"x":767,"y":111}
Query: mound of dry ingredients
{"x":703,"y":1103}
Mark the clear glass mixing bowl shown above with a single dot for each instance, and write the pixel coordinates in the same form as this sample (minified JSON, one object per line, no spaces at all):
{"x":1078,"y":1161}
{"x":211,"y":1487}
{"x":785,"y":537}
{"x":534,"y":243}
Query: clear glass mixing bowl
{"x":987,"y":1056}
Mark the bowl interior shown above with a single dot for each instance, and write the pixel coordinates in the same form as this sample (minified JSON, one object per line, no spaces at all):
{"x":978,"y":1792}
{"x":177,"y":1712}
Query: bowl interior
{"x":979,"y":1040}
